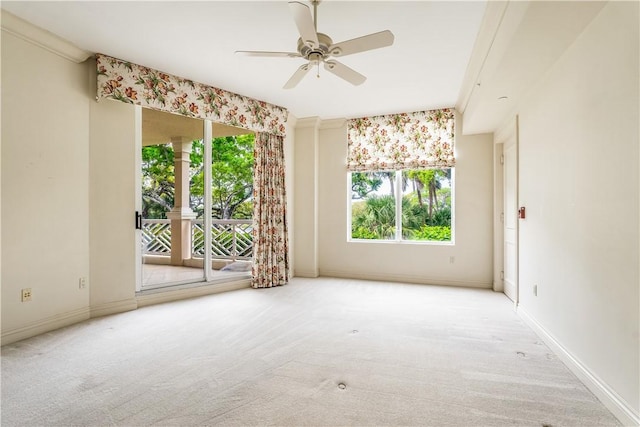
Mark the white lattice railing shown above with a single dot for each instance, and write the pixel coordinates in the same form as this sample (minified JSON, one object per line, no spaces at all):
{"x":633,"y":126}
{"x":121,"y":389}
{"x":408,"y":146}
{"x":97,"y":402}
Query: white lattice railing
{"x":231,"y":238}
{"x":156,"y":236}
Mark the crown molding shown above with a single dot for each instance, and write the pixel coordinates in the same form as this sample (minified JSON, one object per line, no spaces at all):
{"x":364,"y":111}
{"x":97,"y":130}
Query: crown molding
{"x":308,"y":122}
{"x":332,"y":123}
{"x":42,"y":38}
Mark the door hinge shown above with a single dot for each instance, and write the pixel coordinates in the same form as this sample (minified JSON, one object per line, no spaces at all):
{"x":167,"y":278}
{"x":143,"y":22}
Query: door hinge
{"x":138,"y":221}
{"x":502,"y":159}
{"x":502,"y":275}
{"x":501,"y":216}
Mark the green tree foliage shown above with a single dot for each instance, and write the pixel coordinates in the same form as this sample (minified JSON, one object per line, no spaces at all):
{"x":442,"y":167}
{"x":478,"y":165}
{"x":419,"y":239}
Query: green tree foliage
{"x":431,"y":180}
{"x":363,"y":183}
{"x":158,"y":180}
{"x":426,"y":211}
{"x":232,"y":178}
{"x":374,"y":218}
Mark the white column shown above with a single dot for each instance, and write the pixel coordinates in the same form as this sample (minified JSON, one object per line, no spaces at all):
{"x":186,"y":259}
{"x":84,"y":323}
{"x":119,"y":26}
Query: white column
{"x":181,"y":214}
{"x":306,"y":197}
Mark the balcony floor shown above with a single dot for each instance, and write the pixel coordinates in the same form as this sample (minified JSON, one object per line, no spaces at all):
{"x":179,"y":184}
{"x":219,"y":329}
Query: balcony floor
{"x":156,"y":274}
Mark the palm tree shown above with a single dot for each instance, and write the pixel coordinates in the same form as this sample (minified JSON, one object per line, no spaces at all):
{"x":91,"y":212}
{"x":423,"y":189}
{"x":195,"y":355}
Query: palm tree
{"x":377,"y":216}
{"x":431,"y":179}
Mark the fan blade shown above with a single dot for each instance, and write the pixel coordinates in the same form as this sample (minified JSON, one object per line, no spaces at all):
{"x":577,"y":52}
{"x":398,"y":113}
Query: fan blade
{"x":297,"y":76}
{"x":362,"y":44}
{"x":344,"y":72}
{"x":304,"y":22}
{"x":269,"y":54}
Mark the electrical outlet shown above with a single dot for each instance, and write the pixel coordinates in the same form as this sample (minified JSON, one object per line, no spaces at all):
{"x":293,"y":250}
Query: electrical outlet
{"x":452,"y":259}
{"x":535,"y":290}
{"x":82,"y":283}
{"x":26,"y":294}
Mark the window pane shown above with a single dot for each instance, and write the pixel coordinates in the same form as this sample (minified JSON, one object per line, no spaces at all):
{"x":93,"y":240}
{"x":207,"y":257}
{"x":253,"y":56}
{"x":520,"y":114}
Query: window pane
{"x":426,"y":205}
{"x":373,"y":205}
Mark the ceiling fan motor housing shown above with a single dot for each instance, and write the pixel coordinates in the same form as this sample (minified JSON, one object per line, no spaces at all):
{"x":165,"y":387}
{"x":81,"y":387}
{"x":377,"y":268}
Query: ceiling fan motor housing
{"x":317,"y":53}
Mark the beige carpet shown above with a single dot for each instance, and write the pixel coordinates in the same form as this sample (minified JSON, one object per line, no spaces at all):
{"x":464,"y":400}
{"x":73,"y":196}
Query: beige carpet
{"x":316,"y":352}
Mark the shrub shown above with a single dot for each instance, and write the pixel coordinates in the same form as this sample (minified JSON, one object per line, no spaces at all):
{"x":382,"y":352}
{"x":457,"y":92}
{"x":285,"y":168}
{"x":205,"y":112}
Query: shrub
{"x":435,"y":233}
{"x":364,"y":233}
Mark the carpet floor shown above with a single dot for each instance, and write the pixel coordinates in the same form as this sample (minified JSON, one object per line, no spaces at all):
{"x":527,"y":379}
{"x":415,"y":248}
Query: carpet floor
{"x":317,"y":352}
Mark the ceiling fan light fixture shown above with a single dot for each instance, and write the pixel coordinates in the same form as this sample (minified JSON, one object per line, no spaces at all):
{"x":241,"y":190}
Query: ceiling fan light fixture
{"x":315,"y":58}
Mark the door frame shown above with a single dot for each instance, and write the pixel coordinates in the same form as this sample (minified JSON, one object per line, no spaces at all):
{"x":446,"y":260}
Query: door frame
{"x":137,"y":159}
{"x":498,"y":216}
{"x":506,"y":135}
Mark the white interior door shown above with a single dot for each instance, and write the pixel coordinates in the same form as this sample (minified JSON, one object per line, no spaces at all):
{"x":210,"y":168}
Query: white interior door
{"x":511,"y":218}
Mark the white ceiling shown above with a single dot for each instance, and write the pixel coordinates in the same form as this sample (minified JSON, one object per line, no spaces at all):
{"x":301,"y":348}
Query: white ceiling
{"x":423,"y":69}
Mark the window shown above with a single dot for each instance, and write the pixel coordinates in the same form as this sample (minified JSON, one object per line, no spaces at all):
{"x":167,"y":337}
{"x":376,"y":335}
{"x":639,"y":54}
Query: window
{"x":401,"y":176}
{"x":408,"y":205}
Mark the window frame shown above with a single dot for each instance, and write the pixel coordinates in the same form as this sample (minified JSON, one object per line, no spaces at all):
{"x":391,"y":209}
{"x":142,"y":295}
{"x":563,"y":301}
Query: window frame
{"x":398,"y":213}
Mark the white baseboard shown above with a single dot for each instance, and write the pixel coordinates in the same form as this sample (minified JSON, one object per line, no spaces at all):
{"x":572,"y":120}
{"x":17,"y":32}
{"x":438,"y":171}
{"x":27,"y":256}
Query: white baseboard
{"x":498,"y":286}
{"x":158,"y":296}
{"x":612,"y":400}
{"x":310,"y":274}
{"x":403,"y":278}
{"x":45,"y":325}
{"x":509,"y":289}
{"x":113,"y":307}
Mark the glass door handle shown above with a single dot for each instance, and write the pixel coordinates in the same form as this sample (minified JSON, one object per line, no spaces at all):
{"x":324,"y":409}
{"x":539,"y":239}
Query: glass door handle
{"x":138,"y":221}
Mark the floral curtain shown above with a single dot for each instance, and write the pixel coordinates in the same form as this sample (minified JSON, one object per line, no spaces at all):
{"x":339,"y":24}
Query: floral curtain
{"x":423,"y":139}
{"x":135,"y":84}
{"x":270,"y":242}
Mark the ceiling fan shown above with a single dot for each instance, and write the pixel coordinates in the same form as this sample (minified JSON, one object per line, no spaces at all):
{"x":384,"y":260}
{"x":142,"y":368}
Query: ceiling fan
{"x":317,"y":47}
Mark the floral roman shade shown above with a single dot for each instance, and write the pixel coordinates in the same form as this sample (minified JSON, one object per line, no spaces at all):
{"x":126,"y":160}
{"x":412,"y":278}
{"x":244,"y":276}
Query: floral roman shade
{"x":135,"y":84}
{"x":422,"y":139}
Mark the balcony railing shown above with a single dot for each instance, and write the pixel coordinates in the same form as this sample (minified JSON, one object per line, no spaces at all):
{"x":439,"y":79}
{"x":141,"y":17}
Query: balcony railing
{"x":231,"y":238}
{"x":156,"y":236}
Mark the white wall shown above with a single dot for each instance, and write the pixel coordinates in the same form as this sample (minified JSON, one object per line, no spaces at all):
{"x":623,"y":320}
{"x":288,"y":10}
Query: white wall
{"x":45,"y":190}
{"x":112,"y":203}
{"x":579,"y":183}
{"x":68,"y":166}
{"x":305,"y":205}
{"x":409,"y":262}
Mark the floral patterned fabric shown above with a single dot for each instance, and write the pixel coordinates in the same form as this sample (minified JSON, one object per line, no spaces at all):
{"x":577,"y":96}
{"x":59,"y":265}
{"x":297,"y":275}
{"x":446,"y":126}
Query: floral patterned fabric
{"x":270,"y":241}
{"x":423,"y":139}
{"x":135,"y":84}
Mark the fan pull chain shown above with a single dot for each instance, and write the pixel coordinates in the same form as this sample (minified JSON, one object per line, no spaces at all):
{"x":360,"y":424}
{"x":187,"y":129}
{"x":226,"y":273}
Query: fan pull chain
{"x":318,"y":74}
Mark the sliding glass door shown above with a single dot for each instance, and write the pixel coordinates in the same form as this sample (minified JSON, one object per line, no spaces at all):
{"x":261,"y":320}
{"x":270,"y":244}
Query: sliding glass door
{"x":196,"y":201}
{"x":171,"y":199}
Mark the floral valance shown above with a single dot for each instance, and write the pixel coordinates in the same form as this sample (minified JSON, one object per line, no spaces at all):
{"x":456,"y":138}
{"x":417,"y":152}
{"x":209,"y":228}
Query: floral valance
{"x":135,"y":84}
{"x":423,"y":139}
